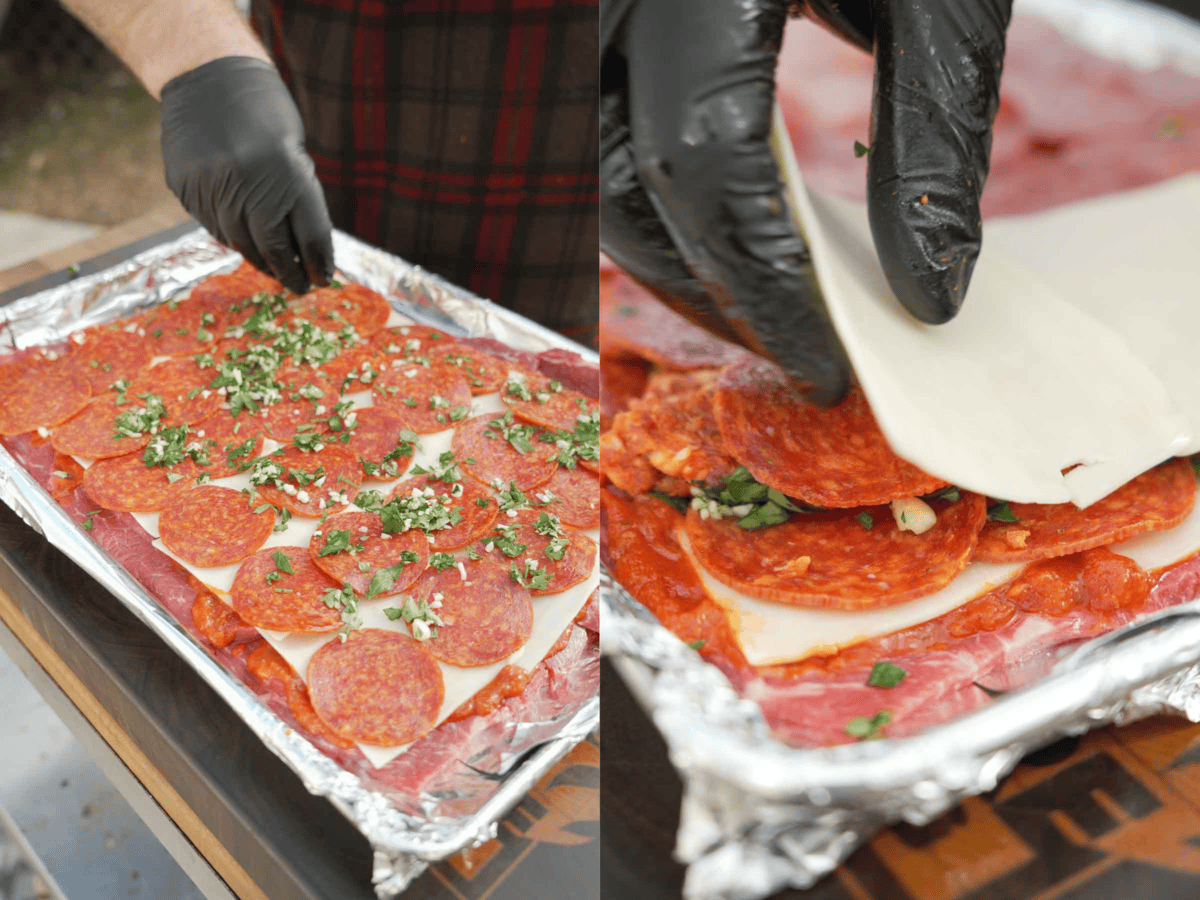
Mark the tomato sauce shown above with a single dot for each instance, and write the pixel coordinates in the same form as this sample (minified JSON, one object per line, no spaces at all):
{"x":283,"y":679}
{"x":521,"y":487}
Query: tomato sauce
{"x":267,"y":665}
{"x":216,"y":621}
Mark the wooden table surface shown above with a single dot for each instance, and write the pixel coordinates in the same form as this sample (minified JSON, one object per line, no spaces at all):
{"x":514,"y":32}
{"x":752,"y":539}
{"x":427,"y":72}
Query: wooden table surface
{"x":234,"y":801}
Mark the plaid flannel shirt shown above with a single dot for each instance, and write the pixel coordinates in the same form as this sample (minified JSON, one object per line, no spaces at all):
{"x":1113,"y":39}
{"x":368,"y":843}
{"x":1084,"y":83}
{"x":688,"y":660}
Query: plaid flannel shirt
{"x":461,"y":135}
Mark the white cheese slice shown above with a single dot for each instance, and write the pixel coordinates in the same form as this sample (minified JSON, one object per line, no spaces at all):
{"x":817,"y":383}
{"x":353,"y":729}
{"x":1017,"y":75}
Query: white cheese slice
{"x":1029,"y":379}
{"x":1129,"y":260}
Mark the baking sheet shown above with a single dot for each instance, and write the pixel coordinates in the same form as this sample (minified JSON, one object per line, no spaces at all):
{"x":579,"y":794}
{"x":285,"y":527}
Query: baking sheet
{"x":757,"y":815}
{"x":462,"y":809}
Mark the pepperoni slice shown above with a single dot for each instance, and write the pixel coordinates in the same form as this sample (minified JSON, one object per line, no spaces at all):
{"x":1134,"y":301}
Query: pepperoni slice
{"x":183,"y":387}
{"x":377,"y":687}
{"x":551,"y":408}
{"x":181,"y":328}
{"x":289,"y":602}
{"x":376,"y":443}
{"x":408,"y":341}
{"x":487,"y":616}
{"x":1157,"y":499}
{"x":307,"y":398}
{"x":353,"y":369}
{"x":332,"y":308}
{"x":484,"y":373}
{"x":832,"y":559}
{"x":92,"y":433}
{"x":229,"y":443}
{"x":622,"y":381}
{"x":107,"y":356}
{"x":488,"y":457}
{"x":127,"y":484}
{"x":674,"y":429}
{"x":36,"y":395}
{"x":368,"y":551}
{"x":339,"y":469}
{"x":427,"y":400}
{"x":65,"y":476}
{"x":213,"y":526}
{"x":571,"y":494}
{"x":474,"y":503}
{"x":826,"y":457}
{"x":220,"y":293}
{"x":633,"y":323}
{"x":576,"y":564}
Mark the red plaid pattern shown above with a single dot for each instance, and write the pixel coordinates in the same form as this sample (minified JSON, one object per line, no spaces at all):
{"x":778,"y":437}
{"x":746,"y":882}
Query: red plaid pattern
{"x":461,"y":135}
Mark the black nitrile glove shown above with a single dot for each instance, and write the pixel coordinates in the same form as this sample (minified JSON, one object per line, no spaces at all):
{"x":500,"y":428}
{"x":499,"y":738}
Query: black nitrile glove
{"x":692,"y":205}
{"x":233,"y":150}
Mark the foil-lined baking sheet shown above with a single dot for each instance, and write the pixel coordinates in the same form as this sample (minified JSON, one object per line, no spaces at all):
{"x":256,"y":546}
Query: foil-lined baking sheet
{"x":504,"y":758}
{"x":759,"y":816}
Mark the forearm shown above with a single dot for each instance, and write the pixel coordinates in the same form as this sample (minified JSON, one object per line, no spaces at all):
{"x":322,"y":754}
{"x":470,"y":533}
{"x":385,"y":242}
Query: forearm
{"x":159,"y":39}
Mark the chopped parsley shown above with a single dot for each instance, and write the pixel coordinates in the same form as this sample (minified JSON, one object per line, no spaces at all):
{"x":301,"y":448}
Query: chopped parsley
{"x":696,"y":645}
{"x":446,"y":470}
{"x":512,"y":498}
{"x":390,"y":465}
{"x":504,"y":539}
{"x":384,"y":579}
{"x":581,"y":443}
{"x":237,"y":451}
{"x":421,"y":509}
{"x":171,"y":446}
{"x":886,"y":675}
{"x":1001,"y":512}
{"x":442,"y":561}
{"x":950,"y":495}
{"x":550,"y":526}
{"x":755,"y":505}
{"x":860,"y":149}
{"x":869,"y":729}
{"x":140,"y":420}
{"x":866,"y":520}
{"x":335,"y":542}
{"x":680,"y":504}
{"x":344,"y":600}
{"x":530,"y":576}
{"x":517,"y":388}
{"x":86,"y":524}
{"x":369,"y":500}
{"x":282,"y":563}
{"x":518,"y":435}
{"x":422,"y":619}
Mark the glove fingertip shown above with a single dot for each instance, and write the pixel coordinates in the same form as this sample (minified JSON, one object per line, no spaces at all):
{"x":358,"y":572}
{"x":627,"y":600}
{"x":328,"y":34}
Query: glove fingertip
{"x":928,"y":273}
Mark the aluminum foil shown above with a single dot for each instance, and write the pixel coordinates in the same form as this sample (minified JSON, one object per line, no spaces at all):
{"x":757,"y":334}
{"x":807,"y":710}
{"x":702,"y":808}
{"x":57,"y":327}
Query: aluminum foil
{"x":457,"y":812}
{"x":759,"y":816}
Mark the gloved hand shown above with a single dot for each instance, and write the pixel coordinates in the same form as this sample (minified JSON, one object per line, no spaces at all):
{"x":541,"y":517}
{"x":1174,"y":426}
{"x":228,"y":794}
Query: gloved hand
{"x":233,"y":150}
{"x":691,"y":202}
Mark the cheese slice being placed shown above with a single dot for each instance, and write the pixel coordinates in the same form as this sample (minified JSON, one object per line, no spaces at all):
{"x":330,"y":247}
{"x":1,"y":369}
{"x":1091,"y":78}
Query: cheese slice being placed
{"x":1029,"y":379}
